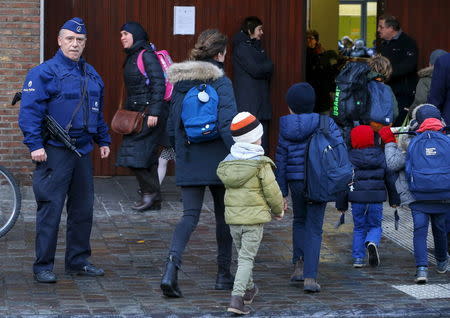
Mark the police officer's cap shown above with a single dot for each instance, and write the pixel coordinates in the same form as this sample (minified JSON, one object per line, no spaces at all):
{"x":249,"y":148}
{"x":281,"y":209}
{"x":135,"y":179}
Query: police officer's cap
{"x":75,"y":25}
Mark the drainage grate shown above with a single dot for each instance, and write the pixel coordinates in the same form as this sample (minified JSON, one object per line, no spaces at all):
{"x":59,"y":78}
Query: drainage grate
{"x":426,"y":291}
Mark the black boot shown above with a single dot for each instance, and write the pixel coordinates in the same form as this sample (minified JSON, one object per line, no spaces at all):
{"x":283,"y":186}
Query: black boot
{"x":150,"y":201}
{"x":224,"y":279}
{"x":169,"y":281}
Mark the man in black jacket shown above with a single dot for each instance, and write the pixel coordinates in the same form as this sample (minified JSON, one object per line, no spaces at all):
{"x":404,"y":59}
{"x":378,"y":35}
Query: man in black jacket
{"x":401,"y":50}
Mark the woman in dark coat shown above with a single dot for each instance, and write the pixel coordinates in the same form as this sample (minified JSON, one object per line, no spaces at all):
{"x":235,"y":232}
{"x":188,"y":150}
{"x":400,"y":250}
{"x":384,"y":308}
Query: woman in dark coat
{"x":197,"y":162}
{"x":139,"y":152}
{"x":252,"y":70}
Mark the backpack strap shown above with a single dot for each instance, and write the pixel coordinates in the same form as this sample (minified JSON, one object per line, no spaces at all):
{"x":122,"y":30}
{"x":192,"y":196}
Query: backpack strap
{"x":141,"y":66}
{"x":323,"y":124}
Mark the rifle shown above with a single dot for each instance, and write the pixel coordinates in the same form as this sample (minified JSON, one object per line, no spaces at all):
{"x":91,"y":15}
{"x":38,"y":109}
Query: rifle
{"x":17,"y":97}
{"x":56,"y":132}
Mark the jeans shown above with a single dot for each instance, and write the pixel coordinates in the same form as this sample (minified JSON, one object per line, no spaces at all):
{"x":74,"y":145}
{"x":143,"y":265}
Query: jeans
{"x":247,"y":239}
{"x":367,"y":226}
{"x":306,"y":229}
{"x":192,"y":204}
{"x":421,"y":221}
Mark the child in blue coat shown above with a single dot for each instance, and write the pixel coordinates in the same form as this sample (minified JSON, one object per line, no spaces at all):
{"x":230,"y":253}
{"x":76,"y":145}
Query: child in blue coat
{"x":367,"y":193}
{"x":295,"y":130}
{"x":424,"y":210}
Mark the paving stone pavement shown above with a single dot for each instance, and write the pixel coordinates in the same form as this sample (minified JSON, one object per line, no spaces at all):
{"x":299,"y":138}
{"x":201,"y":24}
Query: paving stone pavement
{"x":132,"y":248}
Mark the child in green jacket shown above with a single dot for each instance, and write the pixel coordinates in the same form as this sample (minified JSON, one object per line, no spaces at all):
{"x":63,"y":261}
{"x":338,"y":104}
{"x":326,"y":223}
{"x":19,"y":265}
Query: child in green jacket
{"x":252,"y":197}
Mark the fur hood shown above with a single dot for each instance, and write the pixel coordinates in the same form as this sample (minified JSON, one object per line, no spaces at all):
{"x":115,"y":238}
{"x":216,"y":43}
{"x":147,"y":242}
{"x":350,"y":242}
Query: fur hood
{"x":193,"y":70}
{"x":426,"y":72}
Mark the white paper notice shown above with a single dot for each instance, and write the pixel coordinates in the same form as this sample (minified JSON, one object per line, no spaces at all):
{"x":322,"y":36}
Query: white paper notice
{"x":183,"y":20}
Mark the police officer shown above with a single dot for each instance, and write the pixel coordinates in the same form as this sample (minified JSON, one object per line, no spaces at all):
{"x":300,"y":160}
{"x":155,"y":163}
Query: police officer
{"x":71,"y":91}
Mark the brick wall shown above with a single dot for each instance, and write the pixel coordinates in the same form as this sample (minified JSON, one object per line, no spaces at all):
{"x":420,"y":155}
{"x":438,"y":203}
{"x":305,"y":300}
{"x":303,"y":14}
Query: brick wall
{"x":19,"y":51}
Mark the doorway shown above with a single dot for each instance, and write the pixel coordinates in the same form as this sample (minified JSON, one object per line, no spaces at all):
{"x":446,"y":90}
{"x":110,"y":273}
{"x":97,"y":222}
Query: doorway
{"x":358,"y":20}
{"x":334,"y":19}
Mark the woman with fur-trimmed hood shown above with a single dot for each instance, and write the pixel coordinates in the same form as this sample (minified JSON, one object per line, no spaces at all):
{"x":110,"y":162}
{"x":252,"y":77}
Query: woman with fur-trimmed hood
{"x":196,"y":163}
{"x":424,"y":84}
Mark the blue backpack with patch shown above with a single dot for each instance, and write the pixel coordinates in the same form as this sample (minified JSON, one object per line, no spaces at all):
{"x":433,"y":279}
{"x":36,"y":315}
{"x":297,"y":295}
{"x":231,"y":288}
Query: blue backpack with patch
{"x":328,"y":170}
{"x":381,"y":103}
{"x":199,"y":113}
{"x":428,"y":166}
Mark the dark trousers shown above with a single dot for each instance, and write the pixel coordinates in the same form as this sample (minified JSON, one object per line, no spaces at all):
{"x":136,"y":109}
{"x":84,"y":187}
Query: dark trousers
{"x":63,"y":175}
{"x":306,"y":229}
{"x":192,"y":204}
{"x":265,"y":137}
{"x":421,"y":221}
{"x":147,"y":178}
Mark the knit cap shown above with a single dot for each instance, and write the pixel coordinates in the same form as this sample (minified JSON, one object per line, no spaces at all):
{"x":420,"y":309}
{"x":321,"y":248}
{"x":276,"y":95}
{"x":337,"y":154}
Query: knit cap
{"x":362,"y":136}
{"x":246,"y":128}
{"x":435,"y":55}
{"x":136,"y":29}
{"x":427,"y":111}
{"x":75,"y":25}
{"x":301,"y":98}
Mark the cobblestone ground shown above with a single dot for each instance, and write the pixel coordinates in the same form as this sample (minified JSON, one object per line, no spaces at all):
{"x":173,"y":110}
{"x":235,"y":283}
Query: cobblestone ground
{"x":132,"y":247}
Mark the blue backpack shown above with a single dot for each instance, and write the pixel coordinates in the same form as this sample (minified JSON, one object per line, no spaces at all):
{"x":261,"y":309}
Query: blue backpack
{"x":428,"y":166}
{"x":199,"y":113}
{"x":328,"y":170}
{"x":381,"y":103}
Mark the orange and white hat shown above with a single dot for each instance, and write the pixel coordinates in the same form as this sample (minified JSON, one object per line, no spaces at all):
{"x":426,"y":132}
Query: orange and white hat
{"x":246,"y":128}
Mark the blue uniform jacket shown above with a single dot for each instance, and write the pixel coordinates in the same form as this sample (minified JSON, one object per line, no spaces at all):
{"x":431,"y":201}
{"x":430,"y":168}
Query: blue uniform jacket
{"x":55,"y":88}
{"x":295,"y":130}
{"x":371,"y":179}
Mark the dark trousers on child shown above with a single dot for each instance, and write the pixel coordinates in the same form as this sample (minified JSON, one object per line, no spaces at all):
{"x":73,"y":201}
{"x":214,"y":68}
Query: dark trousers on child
{"x":421,"y":221}
{"x":306,"y":229}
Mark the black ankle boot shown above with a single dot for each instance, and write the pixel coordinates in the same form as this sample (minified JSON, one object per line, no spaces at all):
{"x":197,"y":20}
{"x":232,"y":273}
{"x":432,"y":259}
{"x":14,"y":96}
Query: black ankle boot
{"x":224,"y":280}
{"x":149,"y":201}
{"x":169,"y":281}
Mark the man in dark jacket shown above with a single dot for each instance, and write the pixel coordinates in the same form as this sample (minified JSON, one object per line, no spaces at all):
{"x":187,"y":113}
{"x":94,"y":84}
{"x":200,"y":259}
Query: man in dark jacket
{"x":401,"y":50}
{"x":252,"y":71}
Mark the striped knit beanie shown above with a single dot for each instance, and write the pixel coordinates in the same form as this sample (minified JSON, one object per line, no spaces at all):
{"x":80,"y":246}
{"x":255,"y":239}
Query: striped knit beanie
{"x":246,"y":128}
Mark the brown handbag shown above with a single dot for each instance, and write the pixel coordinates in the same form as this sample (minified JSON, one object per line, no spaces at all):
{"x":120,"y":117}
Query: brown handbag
{"x":126,"y":122}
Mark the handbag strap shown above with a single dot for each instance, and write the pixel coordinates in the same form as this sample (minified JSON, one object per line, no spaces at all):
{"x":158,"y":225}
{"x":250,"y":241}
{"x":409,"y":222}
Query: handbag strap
{"x":121,"y":96}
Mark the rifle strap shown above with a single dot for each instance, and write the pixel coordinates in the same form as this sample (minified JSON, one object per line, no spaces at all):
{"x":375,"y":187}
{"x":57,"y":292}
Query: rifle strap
{"x":83,"y":95}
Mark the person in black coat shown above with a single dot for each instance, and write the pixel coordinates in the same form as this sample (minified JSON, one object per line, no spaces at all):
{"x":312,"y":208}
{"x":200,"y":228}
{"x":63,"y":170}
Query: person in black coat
{"x":252,"y":70}
{"x":196,"y":163}
{"x":367,"y":192}
{"x":401,"y":50}
{"x":139,"y":152}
